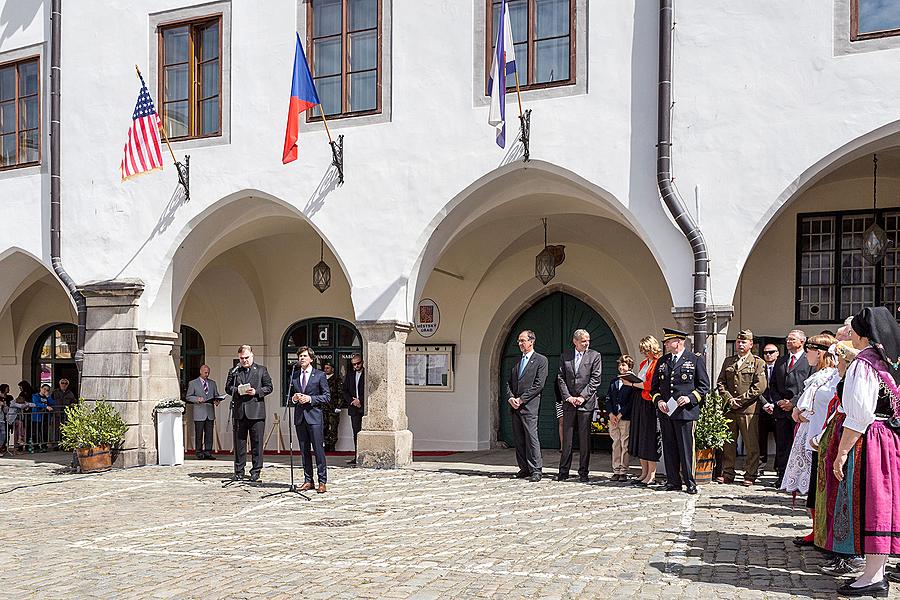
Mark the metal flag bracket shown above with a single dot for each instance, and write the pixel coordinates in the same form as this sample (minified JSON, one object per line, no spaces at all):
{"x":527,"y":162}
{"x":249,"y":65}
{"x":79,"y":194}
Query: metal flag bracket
{"x":337,"y":157}
{"x":525,"y":133}
{"x":184,"y":175}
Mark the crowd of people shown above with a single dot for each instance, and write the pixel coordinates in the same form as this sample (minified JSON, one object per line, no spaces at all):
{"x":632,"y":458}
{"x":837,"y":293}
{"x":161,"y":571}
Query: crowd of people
{"x":832,"y":402}
{"x":29,"y":422}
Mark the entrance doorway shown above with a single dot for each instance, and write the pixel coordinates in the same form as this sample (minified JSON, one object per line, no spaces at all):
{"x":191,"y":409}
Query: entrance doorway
{"x":53,"y":357}
{"x":553,"y":319}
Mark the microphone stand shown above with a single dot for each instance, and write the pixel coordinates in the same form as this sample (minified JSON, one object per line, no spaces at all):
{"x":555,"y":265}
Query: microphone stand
{"x":292,"y":489}
{"x":233,"y":417}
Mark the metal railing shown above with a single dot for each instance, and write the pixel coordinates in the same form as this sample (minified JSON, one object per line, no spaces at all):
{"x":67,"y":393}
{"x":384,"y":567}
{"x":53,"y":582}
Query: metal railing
{"x":30,"y":430}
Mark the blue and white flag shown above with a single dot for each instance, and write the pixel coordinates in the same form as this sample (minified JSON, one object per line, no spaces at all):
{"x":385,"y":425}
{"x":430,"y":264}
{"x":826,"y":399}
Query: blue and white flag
{"x":504,"y":64}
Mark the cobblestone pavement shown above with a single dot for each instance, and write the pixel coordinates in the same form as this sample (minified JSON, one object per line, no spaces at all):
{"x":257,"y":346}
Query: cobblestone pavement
{"x":459,"y":527}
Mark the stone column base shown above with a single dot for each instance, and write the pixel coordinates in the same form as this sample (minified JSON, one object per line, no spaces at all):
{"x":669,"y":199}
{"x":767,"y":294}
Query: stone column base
{"x":384,"y":449}
{"x":137,"y":457}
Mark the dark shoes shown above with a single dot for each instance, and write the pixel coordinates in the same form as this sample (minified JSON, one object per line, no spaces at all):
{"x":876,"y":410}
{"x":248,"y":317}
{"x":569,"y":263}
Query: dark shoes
{"x":237,"y":477}
{"x":891,"y":575}
{"x":877,"y":590}
{"x":673,"y":488}
{"x":254,"y":477}
{"x":691,"y":489}
{"x":802,"y":542}
{"x":583,"y":479}
{"x":210,"y":456}
{"x":536,"y":476}
{"x":562,"y":477}
{"x":523,"y":475}
{"x":845,"y":566}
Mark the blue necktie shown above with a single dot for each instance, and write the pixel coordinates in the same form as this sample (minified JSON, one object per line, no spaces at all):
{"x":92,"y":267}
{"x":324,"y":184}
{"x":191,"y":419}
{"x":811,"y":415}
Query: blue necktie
{"x":522,"y":364}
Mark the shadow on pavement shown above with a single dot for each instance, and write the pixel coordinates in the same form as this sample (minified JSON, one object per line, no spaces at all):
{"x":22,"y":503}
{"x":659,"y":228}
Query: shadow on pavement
{"x":754,"y":562}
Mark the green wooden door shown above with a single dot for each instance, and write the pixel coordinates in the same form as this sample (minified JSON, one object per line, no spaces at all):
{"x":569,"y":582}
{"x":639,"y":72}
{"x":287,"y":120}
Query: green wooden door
{"x":553,"y":319}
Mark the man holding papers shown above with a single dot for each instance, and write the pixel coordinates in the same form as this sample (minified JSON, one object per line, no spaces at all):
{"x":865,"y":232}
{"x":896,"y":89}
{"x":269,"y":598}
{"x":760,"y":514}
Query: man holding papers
{"x":679,"y":385}
{"x":248,"y":384}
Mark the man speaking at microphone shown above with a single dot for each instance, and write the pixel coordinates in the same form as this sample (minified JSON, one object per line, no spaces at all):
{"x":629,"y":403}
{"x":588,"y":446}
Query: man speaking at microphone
{"x":248,"y":384}
{"x":311,"y":394}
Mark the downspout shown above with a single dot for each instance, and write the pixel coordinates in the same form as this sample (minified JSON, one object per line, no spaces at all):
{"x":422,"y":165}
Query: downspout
{"x":667,"y":190}
{"x":55,"y":260}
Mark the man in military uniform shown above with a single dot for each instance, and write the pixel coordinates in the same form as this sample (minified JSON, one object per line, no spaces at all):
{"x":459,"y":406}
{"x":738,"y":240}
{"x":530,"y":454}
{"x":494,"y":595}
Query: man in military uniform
{"x":741,"y":382}
{"x":333,"y":409}
{"x":680,"y":383}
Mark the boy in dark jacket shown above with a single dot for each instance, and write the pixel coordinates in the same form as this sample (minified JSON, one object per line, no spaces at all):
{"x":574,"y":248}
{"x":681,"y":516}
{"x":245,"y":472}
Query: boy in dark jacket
{"x":618,"y":404}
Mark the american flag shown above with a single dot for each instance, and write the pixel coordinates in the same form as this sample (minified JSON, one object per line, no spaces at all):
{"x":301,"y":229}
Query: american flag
{"x":143,"y":152}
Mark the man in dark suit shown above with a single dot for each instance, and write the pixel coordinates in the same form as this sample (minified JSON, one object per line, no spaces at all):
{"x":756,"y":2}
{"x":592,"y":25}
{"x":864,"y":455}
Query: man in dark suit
{"x":249,"y":410}
{"x":202,"y":392}
{"x":577,"y":381}
{"x":767,"y":406}
{"x":524,"y":387}
{"x":311,"y":395}
{"x":788,"y":376}
{"x":680,"y":378}
{"x":354,"y":396}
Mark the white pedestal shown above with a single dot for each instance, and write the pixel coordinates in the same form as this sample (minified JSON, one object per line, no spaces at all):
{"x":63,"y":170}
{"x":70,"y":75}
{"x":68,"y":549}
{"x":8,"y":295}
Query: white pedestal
{"x":170,"y":436}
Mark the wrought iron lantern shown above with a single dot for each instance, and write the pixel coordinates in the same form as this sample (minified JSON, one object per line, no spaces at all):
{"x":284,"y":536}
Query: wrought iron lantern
{"x":548,"y":259}
{"x":875,"y":242}
{"x":322,"y":272}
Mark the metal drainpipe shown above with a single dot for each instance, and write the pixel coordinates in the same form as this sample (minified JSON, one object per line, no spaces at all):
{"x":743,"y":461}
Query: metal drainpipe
{"x":669,"y":194}
{"x":56,"y":261}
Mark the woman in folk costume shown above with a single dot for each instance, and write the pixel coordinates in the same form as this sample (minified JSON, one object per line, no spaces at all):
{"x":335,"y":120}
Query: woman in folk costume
{"x":858,"y":493}
{"x":810,"y":413}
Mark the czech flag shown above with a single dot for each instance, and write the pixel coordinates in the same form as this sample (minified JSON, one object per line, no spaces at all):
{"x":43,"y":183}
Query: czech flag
{"x":303,"y":97}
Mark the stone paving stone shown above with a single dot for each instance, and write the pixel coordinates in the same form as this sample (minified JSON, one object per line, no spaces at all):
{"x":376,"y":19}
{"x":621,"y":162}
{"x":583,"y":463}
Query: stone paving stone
{"x":436,"y":530}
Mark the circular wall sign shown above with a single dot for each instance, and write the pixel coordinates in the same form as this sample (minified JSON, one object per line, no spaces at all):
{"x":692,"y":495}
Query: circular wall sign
{"x":428,"y":317}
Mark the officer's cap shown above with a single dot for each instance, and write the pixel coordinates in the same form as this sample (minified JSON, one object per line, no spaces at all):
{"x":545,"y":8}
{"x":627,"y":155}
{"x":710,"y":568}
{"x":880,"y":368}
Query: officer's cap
{"x":673,"y":334}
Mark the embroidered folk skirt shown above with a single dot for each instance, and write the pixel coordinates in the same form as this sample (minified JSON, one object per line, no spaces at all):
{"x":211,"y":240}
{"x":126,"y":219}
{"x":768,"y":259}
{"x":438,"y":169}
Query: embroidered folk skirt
{"x":861,"y":514}
{"x":796,"y":474}
{"x":643,"y":440}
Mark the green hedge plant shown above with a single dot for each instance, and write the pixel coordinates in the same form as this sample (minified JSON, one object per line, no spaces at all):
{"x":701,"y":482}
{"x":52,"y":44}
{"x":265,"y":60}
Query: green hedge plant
{"x":92,"y":426}
{"x":712,"y":426}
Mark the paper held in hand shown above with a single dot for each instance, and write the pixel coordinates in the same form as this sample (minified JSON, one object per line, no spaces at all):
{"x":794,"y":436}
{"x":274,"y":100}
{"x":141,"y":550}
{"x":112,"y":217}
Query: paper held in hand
{"x":244,"y":388}
{"x":630,"y":377}
{"x":672,"y":404}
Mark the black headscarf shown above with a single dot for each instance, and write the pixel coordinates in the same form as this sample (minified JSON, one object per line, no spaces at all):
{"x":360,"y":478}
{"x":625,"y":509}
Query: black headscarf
{"x":879,"y":325}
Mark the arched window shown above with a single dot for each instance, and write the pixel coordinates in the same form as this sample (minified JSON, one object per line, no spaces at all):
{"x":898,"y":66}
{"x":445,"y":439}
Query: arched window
{"x":333,"y":340}
{"x":193,"y":355}
{"x":53,"y":357}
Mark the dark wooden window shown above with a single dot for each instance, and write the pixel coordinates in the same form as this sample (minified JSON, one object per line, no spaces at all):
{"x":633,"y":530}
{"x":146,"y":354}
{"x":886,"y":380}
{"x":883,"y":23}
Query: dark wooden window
{"x":344,"y":50}
{"x":544,"y":37}
{"x":870,"y":19}
{"x":834,"y":281}
{"x":190,"y":77}
{"x":20,"y":113}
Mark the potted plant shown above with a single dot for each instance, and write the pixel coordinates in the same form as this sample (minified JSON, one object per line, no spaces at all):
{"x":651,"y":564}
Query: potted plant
{"x":169,"y":431}
{"x":92,"y":431}
{"x":711,"y":434}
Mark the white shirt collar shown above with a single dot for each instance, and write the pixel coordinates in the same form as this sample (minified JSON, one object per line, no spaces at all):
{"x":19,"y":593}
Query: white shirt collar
{"x":307,"y":370}
{"x":677,"y":357}
{"x":797,"y":354}
{"x":527,"y":355}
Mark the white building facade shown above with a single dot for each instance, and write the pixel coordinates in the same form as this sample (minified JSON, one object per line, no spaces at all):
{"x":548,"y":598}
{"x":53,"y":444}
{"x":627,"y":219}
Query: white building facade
{"x":779,"y":110}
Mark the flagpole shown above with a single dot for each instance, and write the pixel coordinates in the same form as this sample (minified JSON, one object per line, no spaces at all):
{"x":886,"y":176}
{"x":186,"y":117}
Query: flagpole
{"x":325,"y":121}
{"x":518,"y":93}
{"x":162,"y":126}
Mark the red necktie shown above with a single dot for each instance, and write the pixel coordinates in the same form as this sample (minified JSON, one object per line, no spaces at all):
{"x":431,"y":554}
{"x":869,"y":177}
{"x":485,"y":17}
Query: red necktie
{"x":791,"y":365}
